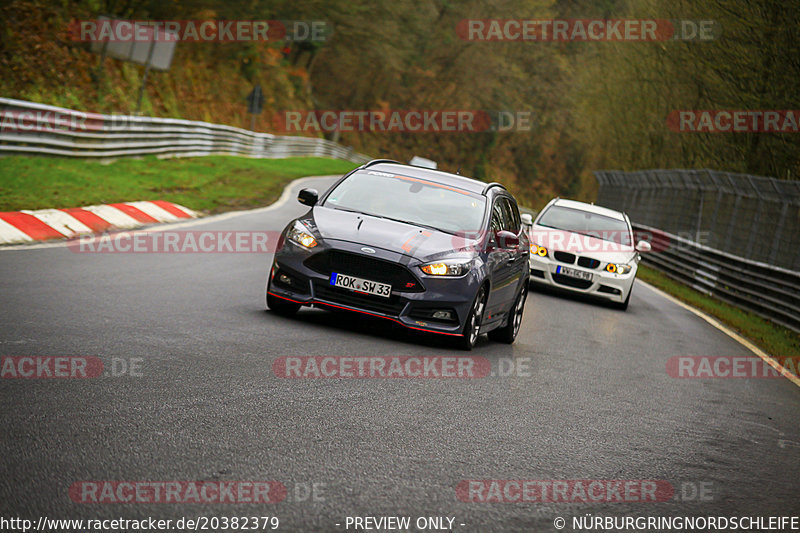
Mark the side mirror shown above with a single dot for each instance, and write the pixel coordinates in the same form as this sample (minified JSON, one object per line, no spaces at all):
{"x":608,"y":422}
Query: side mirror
{"x":506,"y":240}
{"x":643,"y":246}
{"x":308,"y":197}
{"x":526,"y":219}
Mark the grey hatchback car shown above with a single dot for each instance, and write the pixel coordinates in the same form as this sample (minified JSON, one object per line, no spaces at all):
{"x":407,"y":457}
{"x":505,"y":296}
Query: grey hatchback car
{"x":429,"y":250}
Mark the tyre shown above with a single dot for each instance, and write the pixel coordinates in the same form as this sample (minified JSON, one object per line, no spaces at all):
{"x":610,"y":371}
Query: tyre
{"x":508,"y":333}
{"x":280,"y":306}
{"x":474,"y":320}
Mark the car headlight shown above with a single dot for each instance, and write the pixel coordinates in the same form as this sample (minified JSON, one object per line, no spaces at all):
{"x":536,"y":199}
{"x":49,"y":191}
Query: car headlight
{"x":541,"y":251}
{"x":618,"y":268}
{"x":299,"y":234}
{"x":446,"y":268}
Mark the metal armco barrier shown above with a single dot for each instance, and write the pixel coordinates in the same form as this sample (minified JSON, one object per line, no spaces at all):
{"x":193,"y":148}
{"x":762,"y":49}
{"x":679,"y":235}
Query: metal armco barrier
{"x":747,"y":216}
{"x":29,"y":128}
{"x":768,"y":291}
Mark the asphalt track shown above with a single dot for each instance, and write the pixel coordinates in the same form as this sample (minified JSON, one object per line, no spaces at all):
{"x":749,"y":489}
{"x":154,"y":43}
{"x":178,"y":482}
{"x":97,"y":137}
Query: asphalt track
{"x":594,"y":401}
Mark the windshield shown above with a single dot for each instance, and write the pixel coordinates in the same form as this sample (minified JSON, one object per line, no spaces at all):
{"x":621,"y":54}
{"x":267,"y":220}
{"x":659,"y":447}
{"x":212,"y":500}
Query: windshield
{"x":411,"y":200}
{"x":586,"y":223}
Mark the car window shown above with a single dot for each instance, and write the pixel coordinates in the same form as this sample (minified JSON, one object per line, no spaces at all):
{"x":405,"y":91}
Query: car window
{"x":586,"y":223}
{"x":511,"y":216}
{"x":497,"y":216}
{"x":412,"y":200}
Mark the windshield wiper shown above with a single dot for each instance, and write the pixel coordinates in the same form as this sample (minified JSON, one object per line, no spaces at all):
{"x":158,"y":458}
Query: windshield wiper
{"x":427,"y":226}
{"x":345,"y":209}
{"x":434,"y":228}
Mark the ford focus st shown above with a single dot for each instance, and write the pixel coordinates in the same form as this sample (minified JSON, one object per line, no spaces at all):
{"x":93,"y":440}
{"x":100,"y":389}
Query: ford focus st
{"x":585,"y":248}
{"x":426,"y":249}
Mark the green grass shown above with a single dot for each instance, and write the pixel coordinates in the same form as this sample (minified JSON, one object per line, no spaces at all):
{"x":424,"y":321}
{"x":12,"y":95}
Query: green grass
{"x":773,"y":339}
{"x":212,"y":184}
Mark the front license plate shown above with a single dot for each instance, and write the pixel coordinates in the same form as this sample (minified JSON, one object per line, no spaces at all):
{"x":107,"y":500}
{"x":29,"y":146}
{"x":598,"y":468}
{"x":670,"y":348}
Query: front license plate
{"x":361,"y":285}
{"x":574,"y":273}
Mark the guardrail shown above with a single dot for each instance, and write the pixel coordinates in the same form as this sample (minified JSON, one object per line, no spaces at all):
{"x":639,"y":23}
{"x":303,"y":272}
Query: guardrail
{"x":768,"y":291}
{"x":36,"y":129}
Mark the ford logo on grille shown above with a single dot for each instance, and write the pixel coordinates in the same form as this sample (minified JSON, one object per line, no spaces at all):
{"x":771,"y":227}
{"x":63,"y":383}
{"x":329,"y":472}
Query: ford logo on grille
{"x":368,"y":250}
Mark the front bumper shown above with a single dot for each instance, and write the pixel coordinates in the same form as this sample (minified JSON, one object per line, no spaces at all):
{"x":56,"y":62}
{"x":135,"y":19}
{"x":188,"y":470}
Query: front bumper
{"x":605,"y":285}
{"x":413,"y":310}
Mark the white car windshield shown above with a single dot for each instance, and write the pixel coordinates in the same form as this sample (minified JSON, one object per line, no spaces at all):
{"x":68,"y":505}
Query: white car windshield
{"x":412,"y":200}
{"x":586,"y":223}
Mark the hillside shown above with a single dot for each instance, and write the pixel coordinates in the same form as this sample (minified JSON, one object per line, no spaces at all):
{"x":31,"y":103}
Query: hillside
{"x":590,"y":105}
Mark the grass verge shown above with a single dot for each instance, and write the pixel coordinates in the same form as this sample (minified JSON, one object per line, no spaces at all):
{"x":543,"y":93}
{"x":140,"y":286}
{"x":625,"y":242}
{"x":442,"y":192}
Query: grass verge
{"x":773,"y":339}
{"x":212,"y":184}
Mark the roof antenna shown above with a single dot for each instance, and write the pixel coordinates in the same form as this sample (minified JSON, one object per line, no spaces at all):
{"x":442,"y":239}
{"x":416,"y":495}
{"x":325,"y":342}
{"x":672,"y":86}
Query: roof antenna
{"x":459,"y":170}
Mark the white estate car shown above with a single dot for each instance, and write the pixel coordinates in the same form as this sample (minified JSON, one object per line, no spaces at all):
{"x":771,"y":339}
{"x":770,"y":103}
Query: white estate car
{"x":585,"y":248}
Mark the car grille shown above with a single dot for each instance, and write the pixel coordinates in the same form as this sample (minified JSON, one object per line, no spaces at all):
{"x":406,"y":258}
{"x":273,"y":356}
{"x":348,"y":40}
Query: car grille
{"x":388,"y":306}
{"x":398,"y":276}
{"x":588,"y":262}
{"x":571,"y":282}
{"x":564,"y":257}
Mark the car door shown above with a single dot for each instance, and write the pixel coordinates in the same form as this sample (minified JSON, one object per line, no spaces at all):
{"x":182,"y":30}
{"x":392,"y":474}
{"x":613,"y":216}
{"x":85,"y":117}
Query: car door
{"x":518,"y":263}
{"x":500,"y":262}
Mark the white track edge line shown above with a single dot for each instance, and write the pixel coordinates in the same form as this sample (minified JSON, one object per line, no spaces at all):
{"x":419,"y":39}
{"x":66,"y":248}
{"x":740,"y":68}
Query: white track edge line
{"x":771,"y":361}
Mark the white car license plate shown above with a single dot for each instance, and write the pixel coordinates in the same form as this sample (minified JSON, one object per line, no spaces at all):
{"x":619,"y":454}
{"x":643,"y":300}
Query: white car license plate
{"x":361,"y":285}
{"x":574,"y":273}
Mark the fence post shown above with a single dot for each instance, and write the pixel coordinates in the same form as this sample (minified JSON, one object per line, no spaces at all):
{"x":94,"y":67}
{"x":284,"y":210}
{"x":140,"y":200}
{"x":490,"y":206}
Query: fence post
{"x":735,"y":213}
{"x":777,"y":239}
{"x":756,"y":221}
{"x":712,"y":227}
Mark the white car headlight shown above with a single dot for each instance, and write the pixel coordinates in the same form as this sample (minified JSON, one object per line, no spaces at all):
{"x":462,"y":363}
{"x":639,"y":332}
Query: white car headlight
{"x":618,"y":268}
{"x":447,"y":268}
{"x":299,"y":234}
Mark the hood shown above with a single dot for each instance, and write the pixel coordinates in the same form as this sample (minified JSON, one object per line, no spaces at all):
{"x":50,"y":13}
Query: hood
{"x":604,"y":251}
{"x":398,"y":237}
